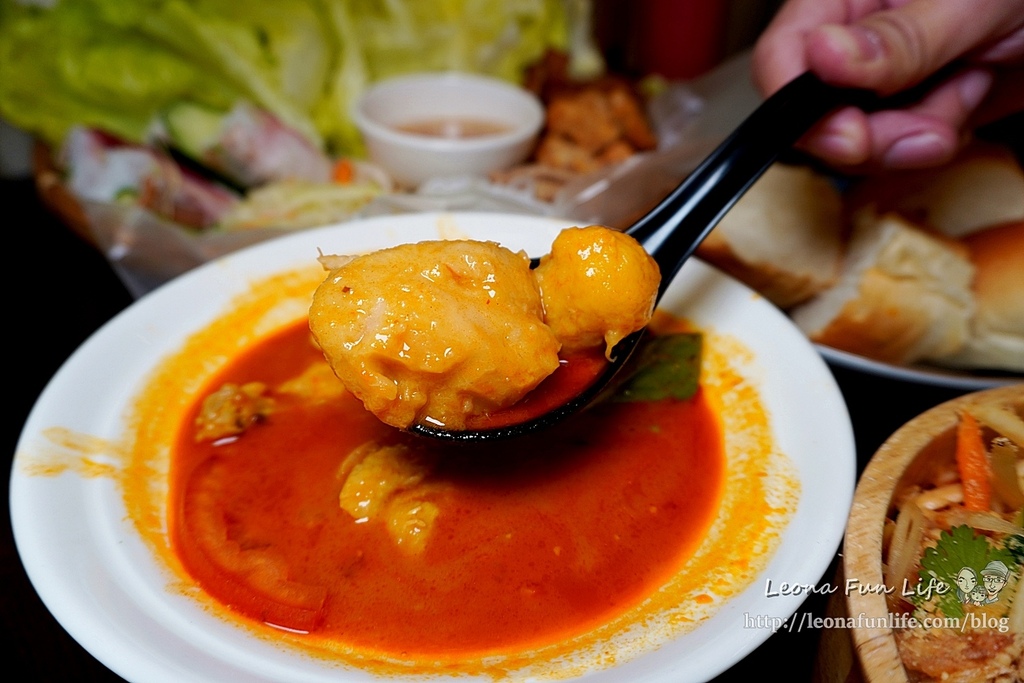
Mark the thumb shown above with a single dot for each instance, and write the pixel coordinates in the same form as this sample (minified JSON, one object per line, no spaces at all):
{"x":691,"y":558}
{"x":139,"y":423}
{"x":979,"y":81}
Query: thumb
{"x":890,"y":50}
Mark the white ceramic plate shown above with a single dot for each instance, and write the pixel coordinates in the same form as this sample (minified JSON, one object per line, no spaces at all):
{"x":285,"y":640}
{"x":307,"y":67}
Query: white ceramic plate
{"x":104,"y":585}
{"x":919,"y":374}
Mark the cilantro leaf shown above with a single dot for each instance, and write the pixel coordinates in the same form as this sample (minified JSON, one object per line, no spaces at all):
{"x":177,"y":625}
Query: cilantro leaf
{"x":957,"y":549}
{"x":1015,"y":546}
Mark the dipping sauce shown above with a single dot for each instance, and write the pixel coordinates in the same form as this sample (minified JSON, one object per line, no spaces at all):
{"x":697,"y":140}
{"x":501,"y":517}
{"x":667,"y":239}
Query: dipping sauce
{"x":319,"y":518}
{"x":454,"y":128}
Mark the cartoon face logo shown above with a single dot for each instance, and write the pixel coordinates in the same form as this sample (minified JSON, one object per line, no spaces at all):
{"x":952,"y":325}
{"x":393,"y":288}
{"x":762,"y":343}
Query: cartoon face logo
{"x":994,"y":575}
{"x":966,"y":581}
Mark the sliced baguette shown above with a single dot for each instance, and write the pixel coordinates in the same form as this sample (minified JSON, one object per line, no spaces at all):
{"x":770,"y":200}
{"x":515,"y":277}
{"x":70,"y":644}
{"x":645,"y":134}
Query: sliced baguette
{"x":783,"y":238}
{"x":903,"y":294}
{"x":996,"y":339}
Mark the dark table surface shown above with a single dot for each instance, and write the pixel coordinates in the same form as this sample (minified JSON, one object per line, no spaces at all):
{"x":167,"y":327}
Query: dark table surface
{"x":63,"y":290}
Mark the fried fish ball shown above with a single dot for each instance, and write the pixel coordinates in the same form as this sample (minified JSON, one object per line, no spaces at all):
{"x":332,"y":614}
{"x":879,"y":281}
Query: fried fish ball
{"x":597,"y":285}
{"x":433,"y":332}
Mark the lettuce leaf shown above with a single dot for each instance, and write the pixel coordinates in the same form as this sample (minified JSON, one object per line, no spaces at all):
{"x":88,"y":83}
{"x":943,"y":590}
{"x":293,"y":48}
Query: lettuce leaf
{"x":69,"y":65}
{"x":116,"y":65}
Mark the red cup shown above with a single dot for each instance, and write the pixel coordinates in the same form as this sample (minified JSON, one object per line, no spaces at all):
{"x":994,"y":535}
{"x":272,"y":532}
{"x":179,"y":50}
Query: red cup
{"x":678,"y":39}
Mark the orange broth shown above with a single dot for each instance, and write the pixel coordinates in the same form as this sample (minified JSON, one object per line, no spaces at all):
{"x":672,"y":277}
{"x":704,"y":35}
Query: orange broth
{"x":537,"y":539}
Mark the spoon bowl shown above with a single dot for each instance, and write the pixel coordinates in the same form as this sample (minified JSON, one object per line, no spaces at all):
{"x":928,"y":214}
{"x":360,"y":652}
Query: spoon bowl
{"x":673,"y":230}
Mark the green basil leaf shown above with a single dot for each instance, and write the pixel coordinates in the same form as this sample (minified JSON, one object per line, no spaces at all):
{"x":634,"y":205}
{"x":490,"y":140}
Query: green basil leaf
{"x":666,"y":366}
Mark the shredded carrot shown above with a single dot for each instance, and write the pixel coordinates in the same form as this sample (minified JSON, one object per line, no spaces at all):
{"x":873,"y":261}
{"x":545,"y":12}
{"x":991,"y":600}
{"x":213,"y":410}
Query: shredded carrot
{"x":972,"y":462}
{"x":343,"y":172}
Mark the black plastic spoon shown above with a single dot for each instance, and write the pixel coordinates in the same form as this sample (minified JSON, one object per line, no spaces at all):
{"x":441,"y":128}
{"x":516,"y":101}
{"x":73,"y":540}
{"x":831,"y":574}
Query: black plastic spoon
{"x":672,"y":231}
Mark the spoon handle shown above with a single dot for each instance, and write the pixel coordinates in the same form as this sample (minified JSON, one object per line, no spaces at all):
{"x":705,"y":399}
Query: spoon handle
{"x":672,"y":231}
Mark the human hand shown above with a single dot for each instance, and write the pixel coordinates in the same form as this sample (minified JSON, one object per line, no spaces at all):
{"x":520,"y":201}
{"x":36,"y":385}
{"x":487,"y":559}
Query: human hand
{"x":888,"y":46}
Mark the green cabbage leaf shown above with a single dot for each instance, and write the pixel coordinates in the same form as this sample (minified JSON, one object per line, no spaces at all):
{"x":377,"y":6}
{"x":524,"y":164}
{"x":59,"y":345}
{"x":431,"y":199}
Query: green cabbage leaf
{"x":117,"y":65}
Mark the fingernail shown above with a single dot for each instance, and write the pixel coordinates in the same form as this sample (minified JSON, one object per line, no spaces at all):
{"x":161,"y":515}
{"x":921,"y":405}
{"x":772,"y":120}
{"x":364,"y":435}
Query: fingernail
{"x":917,"y":150}
{"x":839,"y":145}
{"x":856,"y":42}
{"x":973,"y":88}
{"x":842,"y":139}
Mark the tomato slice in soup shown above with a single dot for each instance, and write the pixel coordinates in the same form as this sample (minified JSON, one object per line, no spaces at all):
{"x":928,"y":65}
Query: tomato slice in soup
{"x":241,"y":570}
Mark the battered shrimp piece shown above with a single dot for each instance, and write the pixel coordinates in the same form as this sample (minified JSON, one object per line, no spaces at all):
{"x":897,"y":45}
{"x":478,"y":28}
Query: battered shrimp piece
{"x":433,"y":332}
{"x":598,"y":285}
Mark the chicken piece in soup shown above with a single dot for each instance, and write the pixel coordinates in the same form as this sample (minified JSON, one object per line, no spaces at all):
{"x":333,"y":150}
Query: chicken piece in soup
{"x":432,"y":332}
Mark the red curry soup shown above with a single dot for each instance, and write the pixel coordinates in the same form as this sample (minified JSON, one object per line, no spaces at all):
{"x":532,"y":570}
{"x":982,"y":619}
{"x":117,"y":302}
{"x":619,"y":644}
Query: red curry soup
{"x":318,"y":517}
{"x":303,"y":518}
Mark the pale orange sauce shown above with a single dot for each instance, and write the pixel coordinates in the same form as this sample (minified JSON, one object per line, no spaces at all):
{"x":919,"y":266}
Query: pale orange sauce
{"x":69,"y":451}
{"x":453,"y":128}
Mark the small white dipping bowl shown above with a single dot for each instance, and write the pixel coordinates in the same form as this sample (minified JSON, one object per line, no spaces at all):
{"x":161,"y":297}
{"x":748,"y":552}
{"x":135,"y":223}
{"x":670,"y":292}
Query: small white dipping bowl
{"x":403,"y":124}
